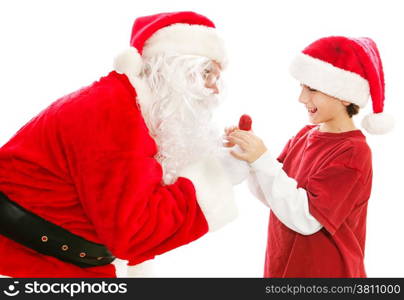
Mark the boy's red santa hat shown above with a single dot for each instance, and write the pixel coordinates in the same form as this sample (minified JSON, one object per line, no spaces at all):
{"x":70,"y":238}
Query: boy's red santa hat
{"x":349,"y":69}
{"x":185,"y":33}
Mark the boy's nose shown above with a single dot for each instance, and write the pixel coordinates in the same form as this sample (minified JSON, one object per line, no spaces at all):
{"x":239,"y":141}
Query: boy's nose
{"x":303,"y":98}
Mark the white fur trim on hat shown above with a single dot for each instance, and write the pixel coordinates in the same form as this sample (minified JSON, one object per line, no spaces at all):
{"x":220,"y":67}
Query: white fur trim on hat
{"x":330,"y":80}
{"x":187,"y":39}
{"x":129,"y":62}
{"x":379,"y":123}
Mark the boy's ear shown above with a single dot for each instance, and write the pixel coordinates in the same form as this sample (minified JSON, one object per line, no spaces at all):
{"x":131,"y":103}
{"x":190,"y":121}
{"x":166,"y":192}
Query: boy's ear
{"x":346,"y":103}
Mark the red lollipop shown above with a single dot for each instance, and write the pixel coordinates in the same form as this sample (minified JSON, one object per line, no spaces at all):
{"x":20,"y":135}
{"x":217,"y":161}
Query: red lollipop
{"x":245,"y":123}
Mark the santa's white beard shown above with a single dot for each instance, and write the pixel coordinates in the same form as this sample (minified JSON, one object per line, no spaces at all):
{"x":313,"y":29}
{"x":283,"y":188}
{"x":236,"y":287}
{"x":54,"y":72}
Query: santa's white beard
{"x":183,"y":139}
{"x":178,"y":113}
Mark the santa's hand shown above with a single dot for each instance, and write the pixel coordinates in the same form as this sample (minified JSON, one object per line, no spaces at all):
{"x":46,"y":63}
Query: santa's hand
{"x":252,"y":146}
{"x":227,"y":132}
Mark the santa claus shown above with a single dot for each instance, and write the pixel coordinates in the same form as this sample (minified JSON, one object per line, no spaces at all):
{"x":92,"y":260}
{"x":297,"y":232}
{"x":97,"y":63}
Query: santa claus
{"x":129,"y":167}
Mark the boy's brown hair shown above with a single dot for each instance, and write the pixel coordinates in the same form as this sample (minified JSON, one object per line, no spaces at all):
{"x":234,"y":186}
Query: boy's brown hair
{"x":352,"y":109}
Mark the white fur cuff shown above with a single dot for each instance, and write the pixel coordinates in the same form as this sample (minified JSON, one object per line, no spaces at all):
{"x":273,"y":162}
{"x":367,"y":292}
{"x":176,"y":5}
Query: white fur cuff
{"x":236,"y":170}
{"x":214,"y":192}
{"x":144,"y":269}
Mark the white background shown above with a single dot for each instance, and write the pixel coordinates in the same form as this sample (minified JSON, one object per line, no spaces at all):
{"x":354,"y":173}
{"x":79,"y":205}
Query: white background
{"x":51,"y":48}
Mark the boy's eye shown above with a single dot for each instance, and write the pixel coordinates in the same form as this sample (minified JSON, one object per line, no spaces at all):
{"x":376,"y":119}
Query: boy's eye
{"x":311,"y":90}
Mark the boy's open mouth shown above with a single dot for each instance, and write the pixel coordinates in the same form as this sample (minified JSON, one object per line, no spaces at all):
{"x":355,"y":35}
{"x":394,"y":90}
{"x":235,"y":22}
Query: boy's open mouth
{"x":312,"y":110}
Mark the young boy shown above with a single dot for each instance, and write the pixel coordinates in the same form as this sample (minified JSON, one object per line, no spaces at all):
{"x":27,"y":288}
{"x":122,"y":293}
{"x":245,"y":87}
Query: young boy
{"x":318,"y":188}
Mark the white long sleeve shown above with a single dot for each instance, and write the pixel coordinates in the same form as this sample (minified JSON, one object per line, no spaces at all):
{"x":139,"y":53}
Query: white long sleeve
{"x":271,"y":185}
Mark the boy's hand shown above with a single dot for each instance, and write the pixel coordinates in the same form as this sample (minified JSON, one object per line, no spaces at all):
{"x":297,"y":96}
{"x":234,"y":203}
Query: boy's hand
{"x":253,"y":147}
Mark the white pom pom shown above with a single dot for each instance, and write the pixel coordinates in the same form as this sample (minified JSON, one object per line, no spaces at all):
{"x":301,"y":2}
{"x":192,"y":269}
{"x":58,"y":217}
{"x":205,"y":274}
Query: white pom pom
{"x":379,"y":123}
{"x":129,"y":62}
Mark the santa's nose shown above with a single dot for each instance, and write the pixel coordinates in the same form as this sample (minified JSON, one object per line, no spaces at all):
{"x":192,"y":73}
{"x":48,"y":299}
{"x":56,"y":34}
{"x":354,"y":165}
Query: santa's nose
{"x":212,"y":83}
{"x":215,"y":89}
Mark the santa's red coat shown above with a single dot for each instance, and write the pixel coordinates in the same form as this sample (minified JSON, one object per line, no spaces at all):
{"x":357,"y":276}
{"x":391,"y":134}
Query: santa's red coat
{"x":86,"y":163}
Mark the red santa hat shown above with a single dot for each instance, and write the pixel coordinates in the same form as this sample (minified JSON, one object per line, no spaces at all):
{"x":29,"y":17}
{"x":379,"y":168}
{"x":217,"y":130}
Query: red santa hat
{"x":349,"y":69}
{"x":173,"y":33}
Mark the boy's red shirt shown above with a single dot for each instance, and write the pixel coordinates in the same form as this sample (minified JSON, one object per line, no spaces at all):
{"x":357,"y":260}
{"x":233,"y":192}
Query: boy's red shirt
{"x":336,"y":171}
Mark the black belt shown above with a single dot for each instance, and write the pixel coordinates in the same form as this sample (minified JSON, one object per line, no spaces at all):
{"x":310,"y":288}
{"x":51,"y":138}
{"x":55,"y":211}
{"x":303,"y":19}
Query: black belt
{"x":36,"y":233}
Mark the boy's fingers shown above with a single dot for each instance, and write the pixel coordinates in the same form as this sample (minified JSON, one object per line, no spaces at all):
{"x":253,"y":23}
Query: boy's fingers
{"x":240,"y":136}
{"x":238,"y":155}
{"x":248,"y":137}
{"x":236,"y":140}
{"x":244,"y":133}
